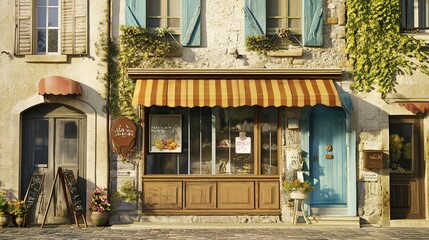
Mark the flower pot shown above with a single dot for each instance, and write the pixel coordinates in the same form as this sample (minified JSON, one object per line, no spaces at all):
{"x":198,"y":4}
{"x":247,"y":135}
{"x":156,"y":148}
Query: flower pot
{"x":18,"y":221}
{"x":4,"y":220}
{"x":298,"y":195}
{"x":100,"y":218}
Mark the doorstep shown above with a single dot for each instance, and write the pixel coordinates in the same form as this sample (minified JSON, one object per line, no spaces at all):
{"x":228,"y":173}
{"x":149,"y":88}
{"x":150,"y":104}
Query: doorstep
{"x":152,"y":225}
{"x":409,"y":223}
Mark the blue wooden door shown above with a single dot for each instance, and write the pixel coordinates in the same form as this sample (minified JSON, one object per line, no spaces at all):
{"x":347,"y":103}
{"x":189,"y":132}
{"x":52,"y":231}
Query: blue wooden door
{"x":328,"y":156}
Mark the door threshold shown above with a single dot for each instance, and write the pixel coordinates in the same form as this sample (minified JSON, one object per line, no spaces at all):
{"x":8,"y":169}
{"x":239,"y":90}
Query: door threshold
{"x":409,"y":223}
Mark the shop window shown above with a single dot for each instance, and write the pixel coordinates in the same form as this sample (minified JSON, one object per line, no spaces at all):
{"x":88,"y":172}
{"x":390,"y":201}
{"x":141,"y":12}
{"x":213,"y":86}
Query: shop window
{"x":401,"y":147}
{"x":214,"y":141}
{"x":415,"y":16}
{"x":59,"y":27}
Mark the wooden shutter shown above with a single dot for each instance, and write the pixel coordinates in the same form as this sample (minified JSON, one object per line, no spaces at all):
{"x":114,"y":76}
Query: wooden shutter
{"x":74,"y":26}
{"x":135,"y":13}
{"x":312,"y":33}
{"x":24,"y":27}
{"x":255,"y":15}
{"x":191,"y":22}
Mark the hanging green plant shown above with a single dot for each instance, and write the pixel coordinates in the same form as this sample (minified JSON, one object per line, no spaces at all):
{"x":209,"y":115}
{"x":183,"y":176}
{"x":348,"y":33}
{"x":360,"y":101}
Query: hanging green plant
{"x":376,"y":48}
{"x":260,"y":44}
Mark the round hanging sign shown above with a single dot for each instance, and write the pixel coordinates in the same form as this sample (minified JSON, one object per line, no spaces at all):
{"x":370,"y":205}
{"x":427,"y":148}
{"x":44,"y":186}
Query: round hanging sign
{"x":123,"y":135}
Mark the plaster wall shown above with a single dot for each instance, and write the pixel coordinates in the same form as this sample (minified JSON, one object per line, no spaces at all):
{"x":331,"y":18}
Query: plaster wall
{"x":19,"y":81}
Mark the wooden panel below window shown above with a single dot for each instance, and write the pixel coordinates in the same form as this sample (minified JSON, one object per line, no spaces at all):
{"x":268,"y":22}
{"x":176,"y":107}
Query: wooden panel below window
{"x":162,"y":195}
{"x":268,"y":195}
{"x":236,"y":195}
{"x":200,"y":195}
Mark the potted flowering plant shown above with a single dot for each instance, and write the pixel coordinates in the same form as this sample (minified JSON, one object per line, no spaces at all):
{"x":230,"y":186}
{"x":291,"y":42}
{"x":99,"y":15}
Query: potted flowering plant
{"x":99,"y":206}
{"x":297,"y":189}
{"x":18,"y":209}
{"x":4,"y":210}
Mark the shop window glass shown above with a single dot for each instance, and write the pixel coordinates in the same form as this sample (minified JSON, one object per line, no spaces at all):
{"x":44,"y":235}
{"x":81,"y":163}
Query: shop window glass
{"x":218,"y":141}
{"x":401,"y":147}
{"x":269,"y":145}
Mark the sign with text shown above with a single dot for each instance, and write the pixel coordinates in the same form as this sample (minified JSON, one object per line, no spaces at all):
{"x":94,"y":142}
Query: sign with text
{"x":123,"y":134}
{"x":243,"y":145}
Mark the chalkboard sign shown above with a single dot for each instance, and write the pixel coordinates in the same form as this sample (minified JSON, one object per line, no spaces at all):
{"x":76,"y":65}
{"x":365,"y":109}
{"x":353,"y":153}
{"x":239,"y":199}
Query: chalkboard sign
{"x":33,"y":190}
{"x":73,"y":191}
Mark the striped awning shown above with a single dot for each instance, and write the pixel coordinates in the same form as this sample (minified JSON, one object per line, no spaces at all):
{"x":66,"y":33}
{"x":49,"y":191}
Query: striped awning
{"x":236,"y":92}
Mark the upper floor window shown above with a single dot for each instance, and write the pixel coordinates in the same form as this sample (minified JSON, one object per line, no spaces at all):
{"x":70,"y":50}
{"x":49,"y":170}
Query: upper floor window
{"x":51,"y":27}
{"x":181,"y":17}
{"x":302,"y":18}
{"x":47,"y":28}
{"x":415,"y":16}
{"x":164,"y":13}
{"x":284,"y":14}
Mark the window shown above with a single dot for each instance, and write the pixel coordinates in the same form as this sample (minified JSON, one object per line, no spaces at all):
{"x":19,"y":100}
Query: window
{"x":47,"y":34}
{"x":164,"y":13}
{"x":51,"y":27}
{"x":284,"y":14}
{"x":304,"y":18}
{"x":220,"y":141}
{"x":415,"y":16}
{"x":182,"y":17}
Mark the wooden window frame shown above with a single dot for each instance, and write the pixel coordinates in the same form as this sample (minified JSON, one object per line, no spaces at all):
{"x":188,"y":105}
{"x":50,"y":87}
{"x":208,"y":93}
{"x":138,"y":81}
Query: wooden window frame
{"x":164,"y":17}
{"x":47,"y":28}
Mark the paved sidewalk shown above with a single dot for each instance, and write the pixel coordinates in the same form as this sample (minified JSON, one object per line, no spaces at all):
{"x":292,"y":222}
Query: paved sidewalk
{"x":259,"y":231}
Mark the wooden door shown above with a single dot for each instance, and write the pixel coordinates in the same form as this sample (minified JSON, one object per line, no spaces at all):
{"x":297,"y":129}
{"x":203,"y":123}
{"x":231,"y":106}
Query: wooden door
{"x":53,"y":137}
{"x":328,"y":157}
{"x":406,"y":168}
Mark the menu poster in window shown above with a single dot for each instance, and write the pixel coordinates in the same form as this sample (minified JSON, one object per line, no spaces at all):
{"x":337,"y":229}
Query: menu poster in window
{"x":243,"y":145}
{"x":165,"y":133}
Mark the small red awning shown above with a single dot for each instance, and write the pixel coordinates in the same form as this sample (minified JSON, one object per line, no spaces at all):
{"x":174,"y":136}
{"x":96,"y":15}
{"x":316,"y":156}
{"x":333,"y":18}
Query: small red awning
{"x":57,"y":85}
{"x":418,"y":108}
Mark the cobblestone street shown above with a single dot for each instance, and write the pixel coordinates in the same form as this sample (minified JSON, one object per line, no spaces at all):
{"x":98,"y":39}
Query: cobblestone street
{"x":320,"y":232}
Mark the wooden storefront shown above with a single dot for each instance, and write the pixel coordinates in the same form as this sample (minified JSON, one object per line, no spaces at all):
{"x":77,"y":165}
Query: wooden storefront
{"x":212,"y":139}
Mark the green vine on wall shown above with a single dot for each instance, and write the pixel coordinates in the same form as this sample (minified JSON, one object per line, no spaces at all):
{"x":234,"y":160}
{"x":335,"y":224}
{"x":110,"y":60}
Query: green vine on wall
{"x":377,"y":50}
{"x":138,"y":48}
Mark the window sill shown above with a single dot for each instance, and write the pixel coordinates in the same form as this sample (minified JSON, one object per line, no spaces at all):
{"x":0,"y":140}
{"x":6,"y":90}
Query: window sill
{"x":46,"y":58}
{"x":294,"y":52}
{"x":422,"y":36}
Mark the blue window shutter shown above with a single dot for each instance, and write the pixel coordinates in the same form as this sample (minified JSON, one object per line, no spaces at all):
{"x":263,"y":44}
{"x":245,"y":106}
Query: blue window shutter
{"x":312,"y":32}
{"x":135,"y":13}
{"x":255,"y":14}
{"x":191,"y":22}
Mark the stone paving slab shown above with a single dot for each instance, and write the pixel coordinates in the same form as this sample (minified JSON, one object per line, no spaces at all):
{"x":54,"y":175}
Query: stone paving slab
{"x":301,"y":232}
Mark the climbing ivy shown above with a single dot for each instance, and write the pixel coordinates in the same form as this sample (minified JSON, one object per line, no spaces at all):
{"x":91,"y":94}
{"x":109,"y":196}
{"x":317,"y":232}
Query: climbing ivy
{"x":138,"y":48}
{"x":377,"y":49}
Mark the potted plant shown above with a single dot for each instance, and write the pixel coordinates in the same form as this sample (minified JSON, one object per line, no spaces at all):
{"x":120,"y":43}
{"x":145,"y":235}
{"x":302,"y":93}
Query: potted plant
{"x":99,"y":206}
{"x":18,"y":209}
{"x":4,"y":210}
{"x":298,"y":189}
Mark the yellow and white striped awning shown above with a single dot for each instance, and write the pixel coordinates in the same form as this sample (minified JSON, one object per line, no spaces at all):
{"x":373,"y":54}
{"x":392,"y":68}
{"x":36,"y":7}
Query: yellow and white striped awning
{"x":236,"y":92}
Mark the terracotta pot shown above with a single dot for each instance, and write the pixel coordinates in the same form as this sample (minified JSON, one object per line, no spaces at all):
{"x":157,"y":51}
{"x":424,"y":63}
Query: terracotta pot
{"x":100,"y":218}
{"x":18,"y":221}
{"x":298,"y":195}
{"x":4,"y":220}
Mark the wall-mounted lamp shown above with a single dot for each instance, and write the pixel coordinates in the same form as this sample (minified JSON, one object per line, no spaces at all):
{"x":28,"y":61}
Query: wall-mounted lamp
{"x":233,"y":51}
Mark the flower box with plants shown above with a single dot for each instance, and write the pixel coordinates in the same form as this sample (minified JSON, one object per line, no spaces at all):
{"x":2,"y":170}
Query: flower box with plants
{"x":99,"y":206}
{"x":297,"y":189}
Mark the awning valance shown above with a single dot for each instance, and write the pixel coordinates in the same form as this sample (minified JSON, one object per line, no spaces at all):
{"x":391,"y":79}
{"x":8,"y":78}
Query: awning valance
{"x":418,"y":108}
{"x":57,"y":85}
{"x":236,"y":92}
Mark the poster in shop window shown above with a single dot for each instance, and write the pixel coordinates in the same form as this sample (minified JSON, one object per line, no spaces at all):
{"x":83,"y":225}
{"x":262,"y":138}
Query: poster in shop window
{"x":243,"y":144}
{"x":165,"y":133}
